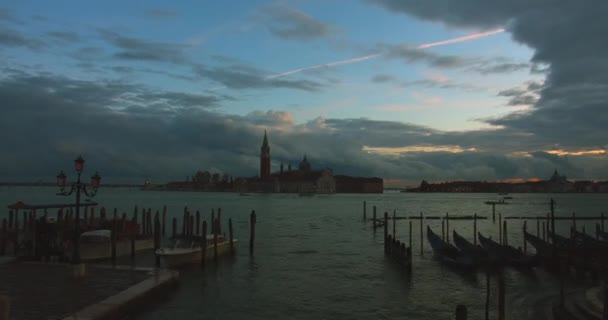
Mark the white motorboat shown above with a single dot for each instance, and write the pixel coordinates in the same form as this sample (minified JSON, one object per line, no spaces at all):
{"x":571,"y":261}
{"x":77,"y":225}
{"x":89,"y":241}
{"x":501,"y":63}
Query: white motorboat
{"x":97,"y":244}
{"x":187,"y":251}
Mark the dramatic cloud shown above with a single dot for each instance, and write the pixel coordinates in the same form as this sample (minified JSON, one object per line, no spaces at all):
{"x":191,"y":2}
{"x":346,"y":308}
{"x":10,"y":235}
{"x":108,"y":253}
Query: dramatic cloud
{"x":133,"y":132}
{"x":287,"y":23}
{"x":246,"y":77}
{"x":569,"y":47}
{"x":13,"y":38}
{"x":138,"y":49}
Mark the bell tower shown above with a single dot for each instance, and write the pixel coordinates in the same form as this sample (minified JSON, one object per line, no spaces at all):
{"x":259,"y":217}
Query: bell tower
{"x":265,"y":158}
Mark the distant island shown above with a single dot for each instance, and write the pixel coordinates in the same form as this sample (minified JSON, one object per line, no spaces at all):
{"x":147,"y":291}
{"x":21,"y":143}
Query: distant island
{"x":303,"y":180}
{"x":556,"y":183}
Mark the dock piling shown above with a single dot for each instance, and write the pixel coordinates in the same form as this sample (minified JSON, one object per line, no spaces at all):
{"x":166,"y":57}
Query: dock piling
{"x":364,"y":211}
{"x":447,"y":227}
{"x":219,"y":221}
{"x":410,"y":234}
{"x":574,"y":220}
{"x":501,"y":298}
{"x":231,"y":235}
{"x":500,"y":228}
{"x":505,"y":238}
{"x":442,"y":229}
{"x":385,"y":231}
{"x":538,"y":228}
{"x":156,"y":239}
{"x":487,"y":295}
{"x":475,"y":229}
{"x":252,"y":222}
{"x":394,"y":223}
{"x":204,"y":244}
{"x":132,"y":235}
{"x":164,"y":219}
{"x":421,"y":236}
{"x":198,"y":222}
{"x":216,"y":222}
{"x":113,"y":239}
{"x":3,"y":238}
{"x":212,"y":226}
{"x":544,"y":231}
{"x":174,"y":228}
{"x":374,"y":220}
{"x":525,"y":242}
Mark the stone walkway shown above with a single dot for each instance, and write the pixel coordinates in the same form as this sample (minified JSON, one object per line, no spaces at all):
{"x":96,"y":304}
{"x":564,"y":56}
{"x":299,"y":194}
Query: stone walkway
{"x":49,"y":291}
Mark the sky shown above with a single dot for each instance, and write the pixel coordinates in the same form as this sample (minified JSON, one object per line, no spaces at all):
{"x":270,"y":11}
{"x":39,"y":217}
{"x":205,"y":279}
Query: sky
{"x":400,"y":89}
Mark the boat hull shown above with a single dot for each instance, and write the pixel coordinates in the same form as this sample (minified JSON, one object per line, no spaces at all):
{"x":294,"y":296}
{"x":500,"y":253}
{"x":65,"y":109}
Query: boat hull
{"x":100,"y":251}
{"x":177,"y":258}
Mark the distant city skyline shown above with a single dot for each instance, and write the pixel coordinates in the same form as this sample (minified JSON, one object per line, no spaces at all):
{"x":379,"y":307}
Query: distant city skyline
{"x":397,"y":89}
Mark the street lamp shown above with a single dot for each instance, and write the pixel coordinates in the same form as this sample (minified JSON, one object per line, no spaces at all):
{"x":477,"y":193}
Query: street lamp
{"x":78,"y":187}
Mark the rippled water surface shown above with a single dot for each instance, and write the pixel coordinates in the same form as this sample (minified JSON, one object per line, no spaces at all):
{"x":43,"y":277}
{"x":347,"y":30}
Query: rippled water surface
{"x":315,"y":259}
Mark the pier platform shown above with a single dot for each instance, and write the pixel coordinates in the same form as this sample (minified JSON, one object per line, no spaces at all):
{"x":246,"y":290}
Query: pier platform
{"x":50,"y":291}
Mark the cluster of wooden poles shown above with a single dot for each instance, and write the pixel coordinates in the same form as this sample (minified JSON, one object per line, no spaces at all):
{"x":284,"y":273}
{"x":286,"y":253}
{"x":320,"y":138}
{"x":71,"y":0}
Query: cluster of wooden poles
{"x":151,"y":226}
{"x":445,"y":223}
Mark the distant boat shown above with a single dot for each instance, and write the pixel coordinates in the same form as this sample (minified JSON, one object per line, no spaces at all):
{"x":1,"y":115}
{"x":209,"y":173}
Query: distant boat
{"x":244,"y":194}
{"x":508,"y":198}
{"x":501,"y":201}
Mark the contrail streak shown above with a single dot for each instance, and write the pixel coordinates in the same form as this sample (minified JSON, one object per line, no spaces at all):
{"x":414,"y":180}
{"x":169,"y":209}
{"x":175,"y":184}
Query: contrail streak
{"x":460,"y":39}
{"x":375,"y":55}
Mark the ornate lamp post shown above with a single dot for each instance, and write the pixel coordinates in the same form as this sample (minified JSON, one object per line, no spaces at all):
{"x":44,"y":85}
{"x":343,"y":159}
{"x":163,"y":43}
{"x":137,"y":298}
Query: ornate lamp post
{"x":78,"y":187}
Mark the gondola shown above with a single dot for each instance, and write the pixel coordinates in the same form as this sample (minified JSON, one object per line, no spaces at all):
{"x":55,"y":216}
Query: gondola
{"x":448,"y":253}
{"x":543,"y":248}
{"x":476,"y":252}
{"x":505,"y":254}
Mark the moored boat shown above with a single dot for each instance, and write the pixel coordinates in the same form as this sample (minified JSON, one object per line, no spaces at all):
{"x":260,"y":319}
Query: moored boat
{"x":448,"y":253}
{"x":97,"y":245}
{"x":476,"y":252}
{"x":505,"y":254}
{"x":188,"y":250}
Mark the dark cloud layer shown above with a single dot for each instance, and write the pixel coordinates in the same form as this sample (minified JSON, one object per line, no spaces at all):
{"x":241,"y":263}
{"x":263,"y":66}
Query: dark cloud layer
{"x":129,"y":132}
{"x":143,"y":50}
{"x":568,"y":39}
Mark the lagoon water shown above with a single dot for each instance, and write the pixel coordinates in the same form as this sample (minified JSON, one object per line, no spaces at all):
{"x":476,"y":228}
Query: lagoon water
{"x":315,"y":259}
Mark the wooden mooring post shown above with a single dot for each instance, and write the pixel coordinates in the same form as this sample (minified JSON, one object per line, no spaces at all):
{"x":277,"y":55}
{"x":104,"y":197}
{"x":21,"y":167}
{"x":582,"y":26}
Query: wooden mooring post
{"x":252,"y":222}
{"x":410,"y":235}
{"x":505,"y":236}
{"x":231,"y":235}
{"x":174,"y":228}
{"x":421,"y":236}
{"x":544,"y":231}
{"x":447,"y":227}
{"x":461,"y":312}
{"x":499,"y":228}
{"x":475,"y":229}
{"x":374,"y":220}
{"x":364,"y":211}
{"x":204,"y":244}
{"x":494,"y":212}
{"x":3,"y":237}
{"x":198,"y":222}
{"x":164,"y":219}
{"x":443,"y":229}
{"x":212,"y":226}
{"x":385,"y":231}
{"x":157,"y":232}
{"x":538,"y":228}
{"x":501,"y":298}
{"x":219,"y":221}
{"x":394,"y":223}
{"x":216,"y":222}
{"x":133,"y":235}
{"x":113,"y":239}
{"x":574,"y":220}
{"x":552,"y":203}
{"x":487,"y":295}
{"x":525,"y":227}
